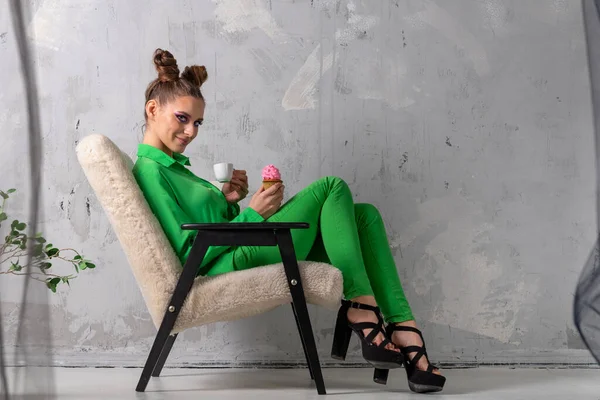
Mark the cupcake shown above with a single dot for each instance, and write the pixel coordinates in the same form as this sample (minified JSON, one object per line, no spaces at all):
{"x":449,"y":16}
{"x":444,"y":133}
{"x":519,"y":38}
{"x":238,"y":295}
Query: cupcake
{"x":270,"y":176}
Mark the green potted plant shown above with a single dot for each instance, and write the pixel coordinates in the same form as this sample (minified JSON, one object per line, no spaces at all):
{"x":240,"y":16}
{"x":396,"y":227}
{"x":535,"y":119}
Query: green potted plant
{"x":13,"y":253}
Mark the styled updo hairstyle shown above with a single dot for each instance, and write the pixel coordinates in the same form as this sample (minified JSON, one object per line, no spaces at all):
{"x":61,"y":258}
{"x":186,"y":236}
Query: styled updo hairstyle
{"x":170,"y":84}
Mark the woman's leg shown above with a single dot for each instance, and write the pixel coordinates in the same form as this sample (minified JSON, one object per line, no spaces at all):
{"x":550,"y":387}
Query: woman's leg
{"x":384,"y":278}
{"x":382,"y":273}
{"x":327,"y":206}
{"x":380,"y":265}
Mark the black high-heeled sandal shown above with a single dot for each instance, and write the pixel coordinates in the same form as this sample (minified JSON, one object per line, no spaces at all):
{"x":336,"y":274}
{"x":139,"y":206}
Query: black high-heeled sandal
{"x":418,"y":381}
{"x":376,"y":355}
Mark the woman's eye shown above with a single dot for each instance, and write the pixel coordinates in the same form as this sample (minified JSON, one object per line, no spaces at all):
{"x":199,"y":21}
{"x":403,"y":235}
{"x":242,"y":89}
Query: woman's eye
{"x":182,"y":118}
{"x":197,"y":123}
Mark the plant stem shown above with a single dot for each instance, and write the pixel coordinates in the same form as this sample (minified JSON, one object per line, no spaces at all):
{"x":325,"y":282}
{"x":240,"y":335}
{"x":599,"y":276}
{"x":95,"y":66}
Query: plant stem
{"x":73,"y":250}
{"x":28,"y":273}
{"x":15,"y":254}
{"x":32,"y":275}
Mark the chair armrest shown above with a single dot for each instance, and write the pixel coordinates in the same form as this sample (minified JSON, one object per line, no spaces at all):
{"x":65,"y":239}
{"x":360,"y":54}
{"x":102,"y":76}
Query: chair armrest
{"x":238,"y":234}
{"x":242,"y":233}
{"x":244,"y":226}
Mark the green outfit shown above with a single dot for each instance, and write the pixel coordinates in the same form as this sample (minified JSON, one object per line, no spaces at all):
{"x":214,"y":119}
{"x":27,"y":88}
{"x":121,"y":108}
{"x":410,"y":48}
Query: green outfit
{"x":177,"y":196}
{"x":349,"y":236}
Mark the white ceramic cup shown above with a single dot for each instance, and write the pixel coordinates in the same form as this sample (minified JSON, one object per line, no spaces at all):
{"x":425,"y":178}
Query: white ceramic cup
{"x":223,"y":171}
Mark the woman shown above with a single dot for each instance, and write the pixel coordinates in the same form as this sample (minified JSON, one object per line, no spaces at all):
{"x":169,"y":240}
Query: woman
{"x":349,"y":236}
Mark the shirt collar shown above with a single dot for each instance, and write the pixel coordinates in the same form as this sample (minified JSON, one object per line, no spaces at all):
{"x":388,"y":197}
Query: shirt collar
{"x":151,"y":152}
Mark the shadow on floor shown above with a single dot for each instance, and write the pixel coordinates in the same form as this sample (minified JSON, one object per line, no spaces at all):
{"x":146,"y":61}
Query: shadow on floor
{"x":355,"y":381}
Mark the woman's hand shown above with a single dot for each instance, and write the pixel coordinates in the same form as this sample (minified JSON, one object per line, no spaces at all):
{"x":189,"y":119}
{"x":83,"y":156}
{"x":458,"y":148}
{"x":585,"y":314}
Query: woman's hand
{"x":236,"y":190}
{"x":267,"y":202}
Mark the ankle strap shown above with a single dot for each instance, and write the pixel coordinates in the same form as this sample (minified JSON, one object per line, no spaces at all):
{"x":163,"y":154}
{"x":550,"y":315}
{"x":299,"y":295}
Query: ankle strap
{"x":394,"y":327}
{"x":361,"y":306}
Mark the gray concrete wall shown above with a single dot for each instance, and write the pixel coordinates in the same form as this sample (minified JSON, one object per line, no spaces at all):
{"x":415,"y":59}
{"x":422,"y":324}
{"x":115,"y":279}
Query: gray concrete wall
{"x":467,"y":123}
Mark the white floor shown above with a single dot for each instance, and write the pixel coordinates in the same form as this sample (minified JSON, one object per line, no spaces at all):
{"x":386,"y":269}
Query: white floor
{"x":342,"y":383}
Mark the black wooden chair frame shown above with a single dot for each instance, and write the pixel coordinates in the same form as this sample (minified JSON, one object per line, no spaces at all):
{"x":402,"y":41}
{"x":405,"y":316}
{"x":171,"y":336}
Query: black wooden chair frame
{"x":236,"y":234}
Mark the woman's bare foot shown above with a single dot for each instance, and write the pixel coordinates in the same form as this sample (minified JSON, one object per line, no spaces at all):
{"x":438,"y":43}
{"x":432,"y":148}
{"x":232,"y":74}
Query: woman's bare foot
{"x":356,"y":315}
{"x":406,"y":338}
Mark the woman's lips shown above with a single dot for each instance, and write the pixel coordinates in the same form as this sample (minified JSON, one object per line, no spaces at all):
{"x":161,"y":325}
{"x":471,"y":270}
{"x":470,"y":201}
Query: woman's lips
{"x":183,"y":141}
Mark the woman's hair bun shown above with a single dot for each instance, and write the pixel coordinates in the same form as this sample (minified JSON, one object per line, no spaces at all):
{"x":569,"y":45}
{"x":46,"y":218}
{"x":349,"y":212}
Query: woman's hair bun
{"x":166,"y":65}
{"x":195,"y":74}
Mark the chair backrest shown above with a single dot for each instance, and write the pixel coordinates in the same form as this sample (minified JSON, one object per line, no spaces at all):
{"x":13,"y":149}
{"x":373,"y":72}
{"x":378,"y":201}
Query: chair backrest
{"x":154,"y":264}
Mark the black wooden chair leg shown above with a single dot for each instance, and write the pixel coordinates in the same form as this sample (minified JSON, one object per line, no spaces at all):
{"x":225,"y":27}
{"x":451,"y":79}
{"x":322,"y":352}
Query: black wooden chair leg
{"x":309,"y":339}
{"x":157,"y":348}
{"x":184,"y":284}
{"x":303,"y":342}
{"x":290,"y":264}
{"x":164,"y":355}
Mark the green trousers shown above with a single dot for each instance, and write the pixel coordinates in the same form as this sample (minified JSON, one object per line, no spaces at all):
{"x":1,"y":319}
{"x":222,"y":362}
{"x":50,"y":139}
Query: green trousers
{"x":349,"y":236}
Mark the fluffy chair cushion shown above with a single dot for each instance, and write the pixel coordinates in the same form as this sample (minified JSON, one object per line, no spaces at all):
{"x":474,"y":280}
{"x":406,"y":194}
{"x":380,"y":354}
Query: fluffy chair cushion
{"x":156,"y":268}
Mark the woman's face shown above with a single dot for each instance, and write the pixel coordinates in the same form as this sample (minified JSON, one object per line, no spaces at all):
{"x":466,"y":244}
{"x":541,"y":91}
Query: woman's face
{"x":172,"y":126}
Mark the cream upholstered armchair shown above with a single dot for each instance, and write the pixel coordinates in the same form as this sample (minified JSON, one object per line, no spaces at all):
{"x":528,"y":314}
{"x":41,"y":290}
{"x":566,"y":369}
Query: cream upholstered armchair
{"x":175,"y":297}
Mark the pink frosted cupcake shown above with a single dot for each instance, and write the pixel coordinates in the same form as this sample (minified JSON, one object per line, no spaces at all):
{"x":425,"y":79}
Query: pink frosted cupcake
{"x":270,"y":176}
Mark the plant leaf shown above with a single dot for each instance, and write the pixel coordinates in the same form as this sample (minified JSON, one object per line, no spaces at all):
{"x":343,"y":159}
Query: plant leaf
{"x":52,"y":252}
{"x":51,"y":283}
{"x":45,"y":265}
{"x":9,"y":191}
{"x":3,"y":217}
{"x":48,"y":246}
{"x":90,"y":265}
{"x":4,"y":195}
{"x":15,"y":267}
{"x":82,"y":265}
{"x":21,"y":226}
{"x":77,"y":257}
{"x":40,"y":240}
{"x":37,"y":250}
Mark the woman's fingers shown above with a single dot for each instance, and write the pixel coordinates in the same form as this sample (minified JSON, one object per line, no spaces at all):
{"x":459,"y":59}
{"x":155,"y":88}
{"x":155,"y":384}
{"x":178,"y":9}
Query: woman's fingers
{"x":278,"y":198}
{"x":259,"y":192}
{"x":272,"y":190}
{"x":240,"y":174}
{"x":273,"y":196}
{"x":238,"y":182}
{"x":278,"y":195}
{"x":240,"y":189}
{"x":243,"y":178}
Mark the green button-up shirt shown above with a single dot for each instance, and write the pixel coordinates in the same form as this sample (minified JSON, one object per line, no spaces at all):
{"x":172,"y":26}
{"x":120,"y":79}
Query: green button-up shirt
{"x":177,"y":196}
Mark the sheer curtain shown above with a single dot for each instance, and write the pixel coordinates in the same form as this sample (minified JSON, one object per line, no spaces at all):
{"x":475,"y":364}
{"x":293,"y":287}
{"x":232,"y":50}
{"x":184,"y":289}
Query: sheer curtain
{"x":32,"y":377}
{"x":586,"y":307}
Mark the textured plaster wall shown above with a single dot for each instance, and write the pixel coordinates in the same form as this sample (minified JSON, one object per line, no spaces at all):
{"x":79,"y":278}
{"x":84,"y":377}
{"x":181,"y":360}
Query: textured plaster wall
{"x":467,"y":123}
